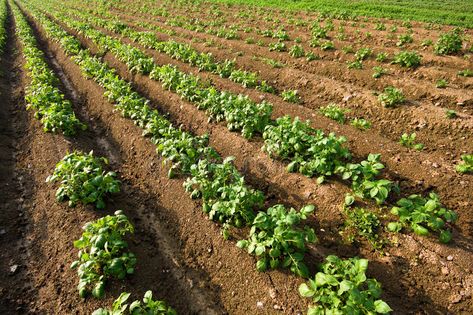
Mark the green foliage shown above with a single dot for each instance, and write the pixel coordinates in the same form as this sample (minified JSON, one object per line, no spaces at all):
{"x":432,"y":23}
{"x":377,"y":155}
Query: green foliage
{"x":408,"y":141}
{"x":408,"y":59}
{"x":225,"y":196}
{"x":441,"y":83}
{"x":308,"y":150}
{"x":310,"y":56}
{"x":327,"y":45}
{"x":427,"y":42}
{"x":147,"y":307}
{"x":423,"y":215}
{"x":357,"y":64}
{"x":451,"y":114}
{"x":378,"y":72}
{"x":277,"y":241}
{"x":381,"y":57}
{"x":291,"y":96}
{"x":296,"y":51}
{"x":278,"y":47}
{"x":102,"y":254}
{"x":3,"y":21}
{"x":391,"y":97}
{"x":341,"y":287}
{"x":333,"y":111}
{"x":362,"y":224}
{"x":467,"y":165}
{"x":363,"y":53}
{"x":83,"y":179}
{"x":42,"y":93}
{"x":449,"y":43}
{"x":465,"y":73}
{"x":360,"y":123}
{"x":364,"y":180}
{"x":404,"y":39}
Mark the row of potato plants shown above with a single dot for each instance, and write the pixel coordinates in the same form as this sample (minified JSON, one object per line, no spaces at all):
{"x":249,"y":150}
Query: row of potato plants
{"x":209,"y":176}
{"x":308,"y":150}
{"x":3,"y":25}
{"x":42,"y":93}
{"x":102,"y":249}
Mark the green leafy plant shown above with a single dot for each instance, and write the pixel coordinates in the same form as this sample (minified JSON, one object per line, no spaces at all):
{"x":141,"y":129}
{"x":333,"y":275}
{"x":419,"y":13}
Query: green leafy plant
{"x":333,"y":111}
{"x":408,"y":59}
{"x":449,"y":43}
{"x":278,"y":47}
{"x":451,"y":114}
{"x":378,"y":72}
{"x":423,"y":215}
{"x":427,"y":42}
{"x":404,"y":39}
{"x":408,"y":141}
{"x":381,"y":57}
{"x":441,"y":83}
{"x":363,"y":53}
{"x":310,"y":56}
{"x":102,"y":254}
{"x":83,"y":179}
{"x":341,"y":287}
{"x":467,"y":164}
{"x":327,"y":45}
{"x":147,"y":307}
{"x":391,"y":97}
{"x":291,"y":96}
{"x":360,"y":123}
{"x":277,"y":242}
{"x":465,"y":73}
{"x":296,"y":51}
{"x":357,"y":64}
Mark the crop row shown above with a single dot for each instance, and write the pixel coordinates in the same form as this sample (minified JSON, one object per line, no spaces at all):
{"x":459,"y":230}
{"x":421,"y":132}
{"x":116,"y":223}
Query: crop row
{"x":42,"y":93}
{"x":3,"y":22}
{"x":211,"y":177}
{"x":308,"y":151}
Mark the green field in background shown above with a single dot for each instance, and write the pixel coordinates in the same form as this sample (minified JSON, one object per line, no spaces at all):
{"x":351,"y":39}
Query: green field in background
{"x":453,"y":12}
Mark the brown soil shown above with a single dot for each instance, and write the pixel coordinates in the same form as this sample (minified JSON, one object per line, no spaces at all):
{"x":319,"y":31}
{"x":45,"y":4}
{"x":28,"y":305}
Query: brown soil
{"x":181,"y":254}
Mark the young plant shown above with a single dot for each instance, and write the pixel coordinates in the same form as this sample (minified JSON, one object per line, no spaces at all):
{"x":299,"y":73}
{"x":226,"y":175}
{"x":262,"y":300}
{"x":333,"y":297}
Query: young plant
{"x":278,"y":47}
{"x":407,"y":59}
{"x":361,"y":123}
{"x":327,"y":45}
{"x":423,"y":215}
{"x":467,"y":164}
{"x":341,"y":287}
{"x":378,"y":72}
{"x":465,"y":73}
{"x":441,"y":84}
{"x":147,"y":307}
{"x":103,"y":254}
{"x":449,"y":43}
{"x":381,"y":57}
{"x":310,"y":56}
{"x":276,"y":241}
{"x":333,"y":111}
{"x":296,"y":51}
{"x":291,"y":96}
{"x":404,"y":39}
{"x":363,"y":54}
{"x":451,"y":114}
{"x":391,"y":97}
{"x":427,"y":43}
{"x":357,"y":64}
{"x":83,"y":179}
{"x":408,"y":141}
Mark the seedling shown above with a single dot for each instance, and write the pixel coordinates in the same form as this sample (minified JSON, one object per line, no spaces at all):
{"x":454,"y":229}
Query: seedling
{"x":451,"y":114}
{"x":83,"y":179}
{"x":362,"y":224}
{"x":291,"y":96}
{"x":363,"y":54}
{"x":296,"y":51}
{"x":310,"y":56}
{"x":357,"y":64}
{"x":341,"y":287}
{"x":391,"y":97}
{"x":467,"y":165}
{"x":381,"y":57}
{"x":423,"y":215}
{"x":147,"y":307}
{"x":441,"y":84}
{"x":361,"y":123}
{"x":333,"y":111}
{"x":277,"y":242}
{"x":465,"y":73}
{"x":378,"y":72}
{"x":404,"y":39}
{"x":408,"y":141}
{"x":327,"y":45}
{"x":278,"y":47}
{"x":449,"y":43}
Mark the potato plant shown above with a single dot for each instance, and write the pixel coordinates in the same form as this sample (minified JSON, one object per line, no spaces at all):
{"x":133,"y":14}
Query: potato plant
{"x":341,"y":287}
{"x":276,"y":240}
{"x":333,"y":111}
{"x":391,"y":97}
{"x":146,"y":307}
{"x":408,"y":141}
{"x":423,"y":215}
{"x":407,"y":59}
{"x":83,"y":179}
{"x":467,"y":164}
{"x":449,"y":43}
{"x":103,"y":254}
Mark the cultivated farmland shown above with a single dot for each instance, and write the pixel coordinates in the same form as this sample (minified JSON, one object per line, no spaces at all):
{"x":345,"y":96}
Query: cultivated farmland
{"x":216,"y":157}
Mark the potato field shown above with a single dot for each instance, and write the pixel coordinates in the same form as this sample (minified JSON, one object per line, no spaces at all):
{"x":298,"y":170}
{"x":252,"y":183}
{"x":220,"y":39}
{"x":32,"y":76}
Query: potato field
{"x":236,"y":157}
